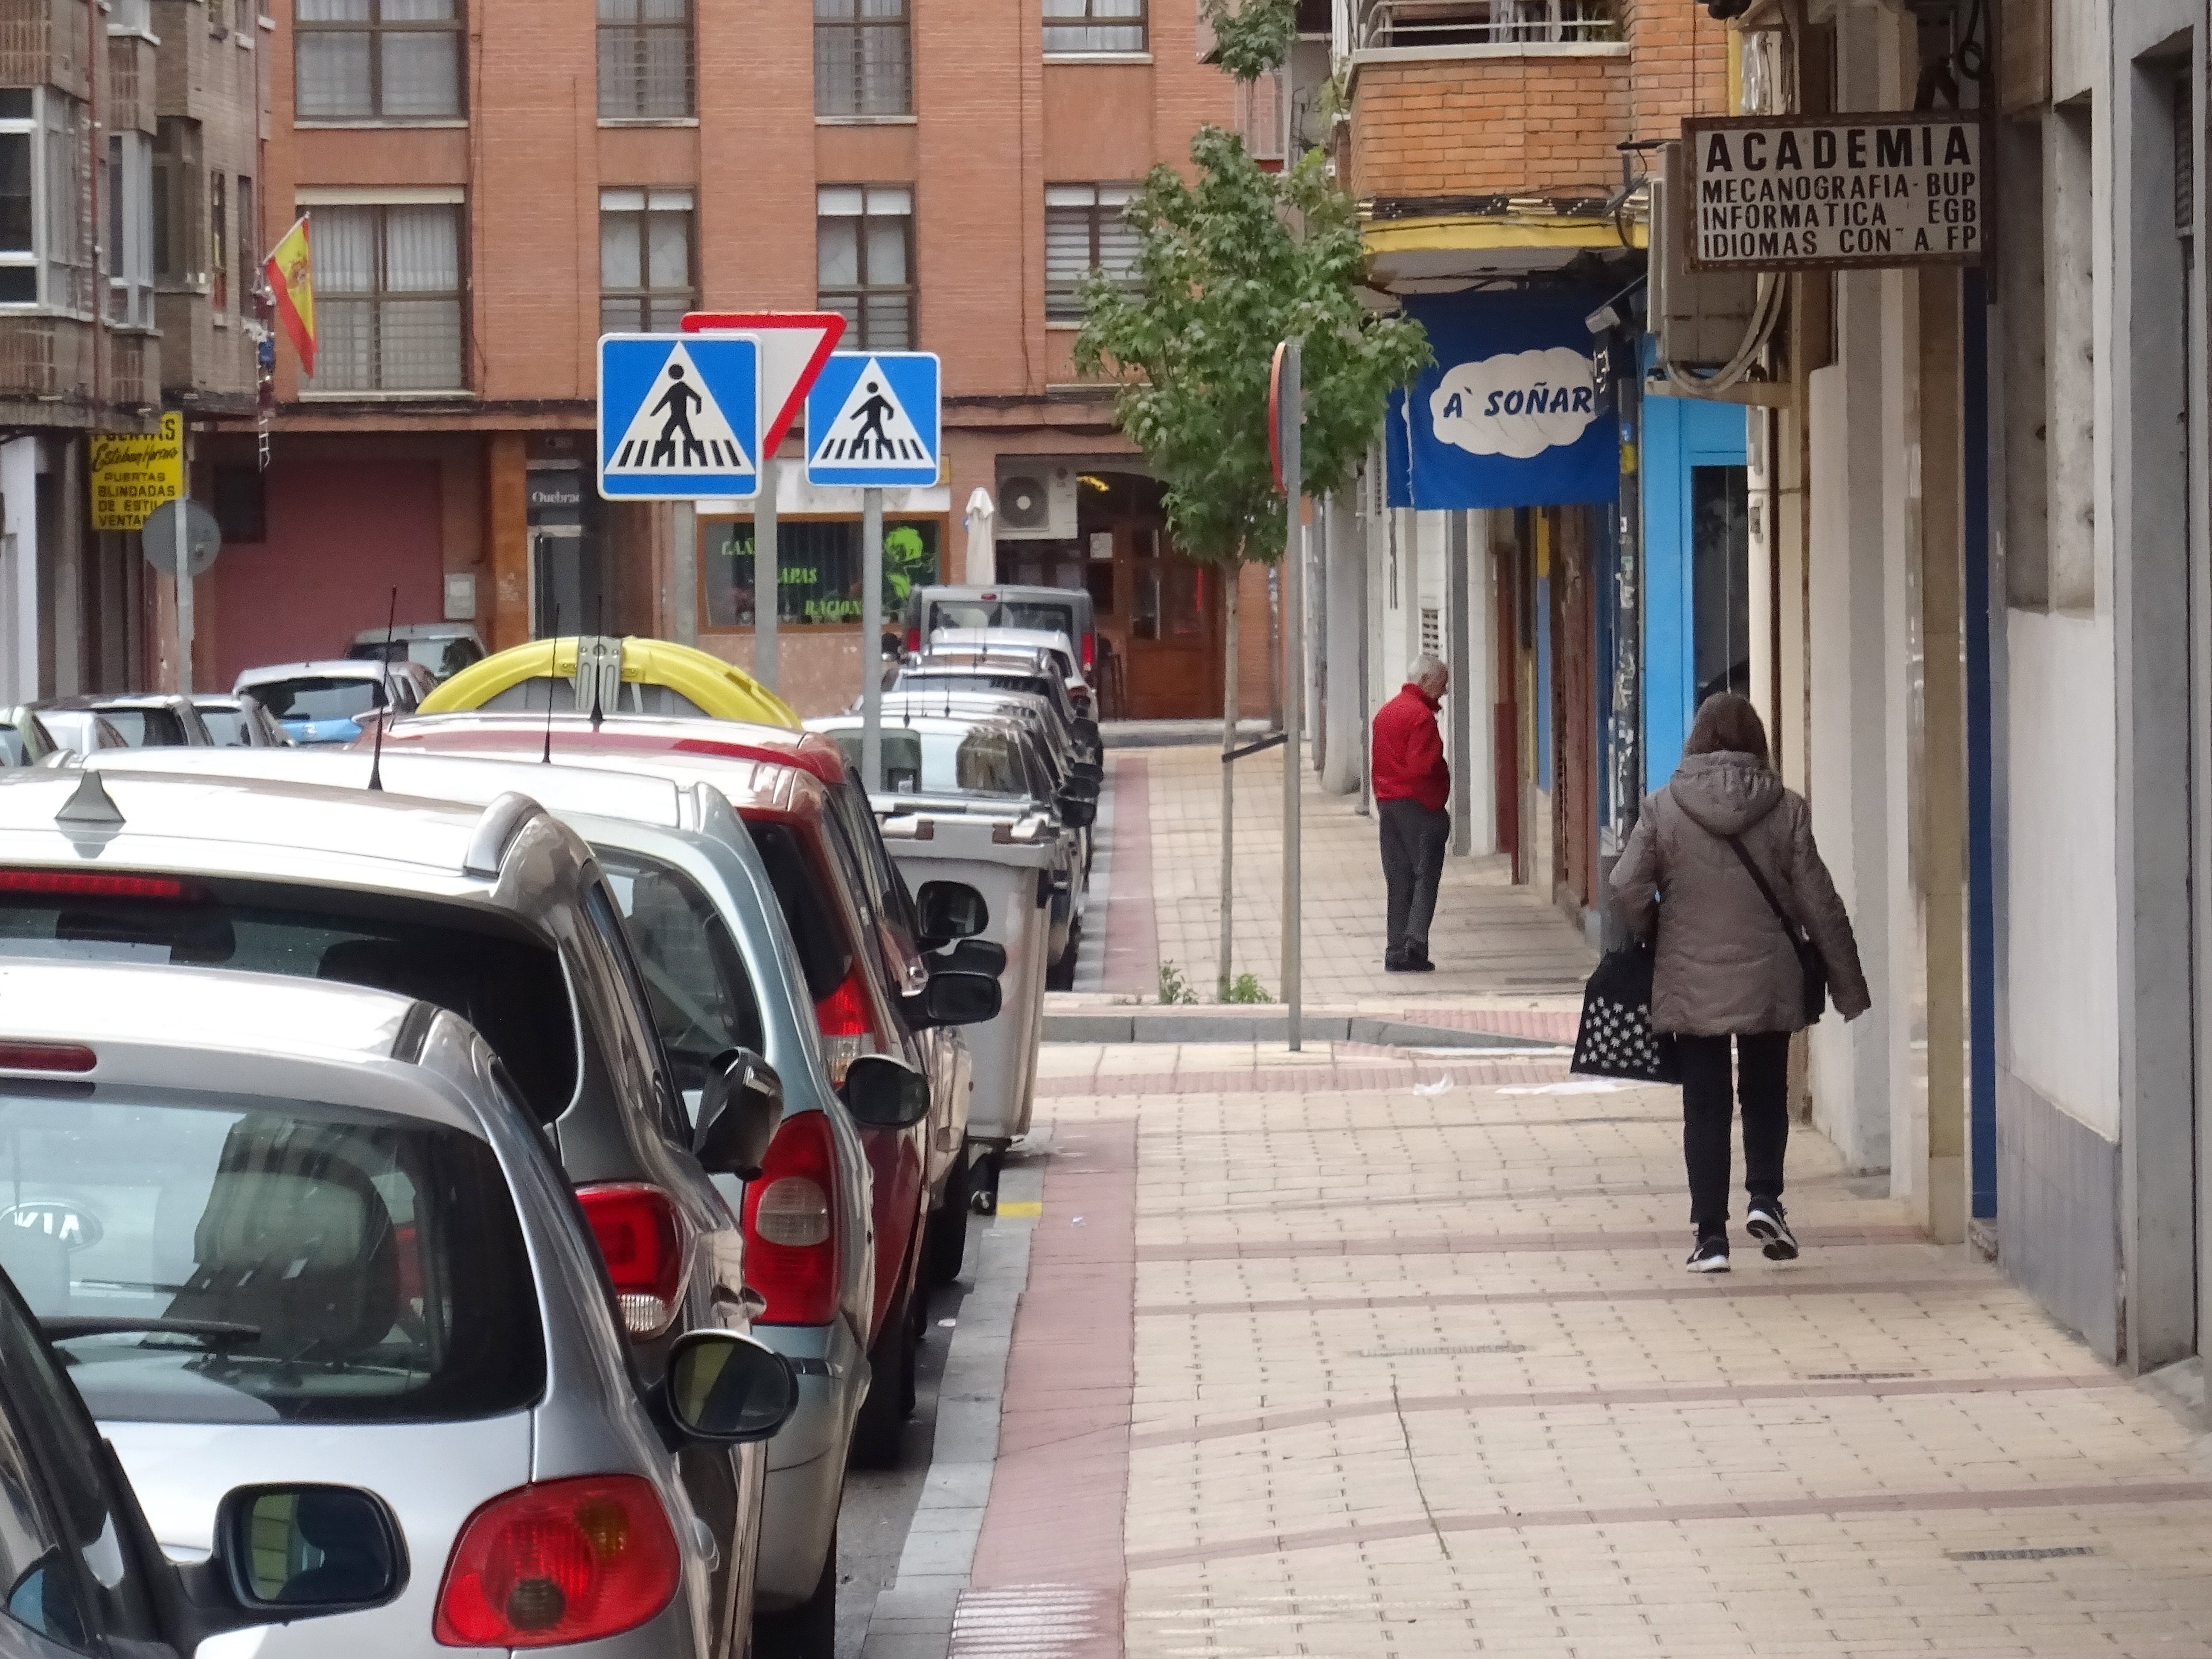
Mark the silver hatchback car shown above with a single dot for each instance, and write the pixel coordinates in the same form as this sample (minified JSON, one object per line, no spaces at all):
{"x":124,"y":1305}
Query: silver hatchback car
{"x":285,"y":1231}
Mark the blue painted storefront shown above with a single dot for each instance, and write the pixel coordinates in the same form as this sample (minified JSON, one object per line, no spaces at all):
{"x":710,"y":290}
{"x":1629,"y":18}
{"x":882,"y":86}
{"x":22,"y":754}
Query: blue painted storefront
{"x":1679,"y":434}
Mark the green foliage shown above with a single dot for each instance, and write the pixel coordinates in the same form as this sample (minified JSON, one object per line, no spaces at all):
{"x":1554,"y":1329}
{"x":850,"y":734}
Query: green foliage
{"x":1248,"y":988}
{"x":1251,"y":38}
{"x":1175,"y":989}
{"x":1221,"y":276}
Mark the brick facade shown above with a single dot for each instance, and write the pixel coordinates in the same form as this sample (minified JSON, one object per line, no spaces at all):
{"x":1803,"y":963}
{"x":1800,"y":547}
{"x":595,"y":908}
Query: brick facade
{"x":1462,"y":126}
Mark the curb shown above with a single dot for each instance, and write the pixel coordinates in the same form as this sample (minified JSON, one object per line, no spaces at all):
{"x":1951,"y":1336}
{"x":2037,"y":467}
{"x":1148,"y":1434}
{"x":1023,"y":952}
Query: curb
{"x":913,"y":1616}
{"x":1165,"y":1026}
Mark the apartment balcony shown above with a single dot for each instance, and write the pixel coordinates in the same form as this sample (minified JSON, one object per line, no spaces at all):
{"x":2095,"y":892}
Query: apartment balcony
{"x":45,"y":43}
{"x":1487,"y":98}
{"x":45,"y":370}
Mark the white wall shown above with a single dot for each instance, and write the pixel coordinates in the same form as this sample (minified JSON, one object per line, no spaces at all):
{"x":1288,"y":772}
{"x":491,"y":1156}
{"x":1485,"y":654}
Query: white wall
{"x":19,"y":571}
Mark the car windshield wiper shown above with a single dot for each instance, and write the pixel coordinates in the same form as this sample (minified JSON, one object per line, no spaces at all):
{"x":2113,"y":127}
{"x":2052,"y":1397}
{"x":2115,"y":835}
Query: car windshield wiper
{"x":64,"y":1328}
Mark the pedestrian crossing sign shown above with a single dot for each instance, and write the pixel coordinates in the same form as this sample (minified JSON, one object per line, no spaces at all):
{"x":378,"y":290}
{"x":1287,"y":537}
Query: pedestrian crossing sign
{"x":873,"y":421}
{"x":679,"y":416}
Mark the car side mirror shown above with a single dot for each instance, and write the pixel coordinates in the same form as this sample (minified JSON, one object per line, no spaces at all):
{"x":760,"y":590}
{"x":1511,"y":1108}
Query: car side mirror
{"x":1077,"y":814}
{"x":738,"y":1111}
{"x":960,"y":997}
{"x":973,"y":956}
{"x":296,"y":1550}
{"x":727,"y":1387}
{"x":951,"y":909}
{"x":884,"y":1093}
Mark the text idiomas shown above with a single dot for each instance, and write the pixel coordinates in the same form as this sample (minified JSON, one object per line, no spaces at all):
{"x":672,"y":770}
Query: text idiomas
{"x":1853,"y":190}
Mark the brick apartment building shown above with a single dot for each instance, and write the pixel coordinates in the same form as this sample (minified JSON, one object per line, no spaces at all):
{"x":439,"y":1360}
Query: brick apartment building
{"x":492,"y":184}
{"x":130,"y":153}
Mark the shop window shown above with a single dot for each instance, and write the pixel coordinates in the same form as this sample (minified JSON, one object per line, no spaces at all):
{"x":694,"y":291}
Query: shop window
{"x":377,"y":60}
{"x":1720,"y":576}
{"x":1086,"y":228}
{"x":647,"y":276}
{"x":818,"y":565}
{"x":863,"y":59}
{"x":644,"y":60}
{"x":388,"y":309}
{"x":864,"y":257}
{"x":1085,"y":26}
{"x":241,"y":504}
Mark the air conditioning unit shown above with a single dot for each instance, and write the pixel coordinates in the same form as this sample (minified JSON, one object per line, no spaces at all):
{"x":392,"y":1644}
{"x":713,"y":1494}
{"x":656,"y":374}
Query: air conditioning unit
{"x":1037,"y":506}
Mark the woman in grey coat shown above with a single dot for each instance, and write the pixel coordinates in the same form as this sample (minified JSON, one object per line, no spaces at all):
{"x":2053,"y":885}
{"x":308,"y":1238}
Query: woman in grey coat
{"x":1725,"y":967}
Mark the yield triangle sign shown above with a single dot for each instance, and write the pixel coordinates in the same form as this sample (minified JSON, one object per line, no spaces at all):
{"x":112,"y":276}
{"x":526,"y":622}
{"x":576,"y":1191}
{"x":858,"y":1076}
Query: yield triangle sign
{"x":677,"y":416}
{"x":873,"y":421}
{"x":794,"y":346}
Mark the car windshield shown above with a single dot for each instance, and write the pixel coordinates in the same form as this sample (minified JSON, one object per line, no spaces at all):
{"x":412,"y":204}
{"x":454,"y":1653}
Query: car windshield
{"x":704,"y":999}
{"x":226,"y":726}
{"x":146,"y":728}
{"x":1045,"y":616}
{"x":319,"y":697}
{"x":985,"y":761}
{"x":267,"y":1261}
{"x":508,"y":986}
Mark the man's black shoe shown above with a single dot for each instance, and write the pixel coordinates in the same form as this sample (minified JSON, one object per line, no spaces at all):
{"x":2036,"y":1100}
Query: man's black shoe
{"x":1710,"y":1255}
{"x":1398,"y":965}
{"x":1766,"y":1223}
{"x":1420,"y":964}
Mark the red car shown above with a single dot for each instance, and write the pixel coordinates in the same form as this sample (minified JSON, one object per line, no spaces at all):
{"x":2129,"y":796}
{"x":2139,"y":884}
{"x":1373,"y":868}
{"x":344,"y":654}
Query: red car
{"x":860,"y":948}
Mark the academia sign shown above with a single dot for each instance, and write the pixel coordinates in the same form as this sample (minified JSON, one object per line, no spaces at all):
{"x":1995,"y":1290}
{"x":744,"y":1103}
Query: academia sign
{"x":134,"y":472}
{"x":1783,"y":192}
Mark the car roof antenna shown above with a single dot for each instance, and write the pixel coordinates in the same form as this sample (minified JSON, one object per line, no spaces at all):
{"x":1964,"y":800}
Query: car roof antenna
{"x":598,"y":713}
{"x":553,"y":679}
{"x":376,"y":753}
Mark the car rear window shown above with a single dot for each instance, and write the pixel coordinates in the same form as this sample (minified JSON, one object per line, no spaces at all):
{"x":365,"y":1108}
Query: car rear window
{"x":505,"y":983}
{"x":319,"y":697}
{"x":146,"y":728}
{"x":702,"y":998}
{"x":978,"y":763}
{"x":12,"y":749}
{"x":825,"y":954}
{"x":1045,"y":616}
{"x":211,"y":1258}
{"x":226,"y":726}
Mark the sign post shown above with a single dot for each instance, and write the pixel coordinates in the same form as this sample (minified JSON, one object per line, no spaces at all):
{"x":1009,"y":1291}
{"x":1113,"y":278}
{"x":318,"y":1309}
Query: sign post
{"x":768,"y":576}
{"x":1287,"y":407}
{"x":180,"y":538}
{"x":874,"y":423}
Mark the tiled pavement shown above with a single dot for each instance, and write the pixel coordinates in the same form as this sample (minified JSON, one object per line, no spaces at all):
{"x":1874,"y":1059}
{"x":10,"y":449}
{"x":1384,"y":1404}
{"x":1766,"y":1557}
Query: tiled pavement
{"x":1338,"y":1368}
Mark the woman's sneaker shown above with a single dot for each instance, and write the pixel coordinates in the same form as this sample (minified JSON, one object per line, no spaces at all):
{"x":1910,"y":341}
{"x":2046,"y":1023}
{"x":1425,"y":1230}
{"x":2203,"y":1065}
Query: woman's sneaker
{"x":1766,"y":1223}
{"x":1710,"y":1255}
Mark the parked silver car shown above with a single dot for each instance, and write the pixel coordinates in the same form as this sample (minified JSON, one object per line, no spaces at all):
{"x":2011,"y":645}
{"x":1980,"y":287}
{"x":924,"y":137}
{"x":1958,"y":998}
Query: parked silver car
{"x":290,"y":1231}
{"x":236,"y":720}
{"x":327,"y":702}
{"x":498,"y":914}
{"x":146,"y":719}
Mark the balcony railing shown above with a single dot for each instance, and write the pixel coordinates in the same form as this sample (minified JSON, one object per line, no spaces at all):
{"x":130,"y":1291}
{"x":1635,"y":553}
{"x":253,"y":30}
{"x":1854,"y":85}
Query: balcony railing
{"x":1419,"y":23}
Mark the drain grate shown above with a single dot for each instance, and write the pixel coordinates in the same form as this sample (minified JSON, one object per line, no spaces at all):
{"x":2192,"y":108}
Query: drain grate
{"x":1430,"y":1354}
{"x":1861,"y":1377}
{"x":2056,"y":1552}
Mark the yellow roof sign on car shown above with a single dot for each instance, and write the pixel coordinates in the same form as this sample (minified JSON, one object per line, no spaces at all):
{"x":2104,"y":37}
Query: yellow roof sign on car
{"x":718,"y":689}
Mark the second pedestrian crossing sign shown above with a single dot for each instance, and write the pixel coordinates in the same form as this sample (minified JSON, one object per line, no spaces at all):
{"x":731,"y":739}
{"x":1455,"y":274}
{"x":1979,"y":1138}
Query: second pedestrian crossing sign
{"x":873,"y":421}
{"x":679,"y":416}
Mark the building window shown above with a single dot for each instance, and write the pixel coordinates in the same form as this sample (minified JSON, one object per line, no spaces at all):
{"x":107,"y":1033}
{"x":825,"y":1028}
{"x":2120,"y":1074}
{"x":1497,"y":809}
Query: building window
{"x":249,"y":244}
{"x":863,"y":58}
{"x":646,"y":280}
{"x":1094,"y":26}
{"x":46,"y":177}
{"x":864,"y":262}
{"x":378,"y":60}
{"x":818,"y":565}
{"x":1086,"y":228}
{"x":388,"y":313}
{"x":644,"y":60}
{"x":177,"y":203}
{"x":130,"y":230}
{"x":218,"y":262}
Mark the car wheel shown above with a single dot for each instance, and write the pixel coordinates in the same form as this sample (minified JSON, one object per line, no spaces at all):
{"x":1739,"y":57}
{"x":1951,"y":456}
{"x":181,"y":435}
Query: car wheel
{"x":1060,"y":976}
{"x":881,"y":1425}
{"x":808,"y":1630}
{"x":946,"y":1246}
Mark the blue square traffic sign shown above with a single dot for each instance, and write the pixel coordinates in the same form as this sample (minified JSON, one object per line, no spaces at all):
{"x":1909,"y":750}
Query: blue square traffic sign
{"x":873,"y":421}
{"x":679,"y":416}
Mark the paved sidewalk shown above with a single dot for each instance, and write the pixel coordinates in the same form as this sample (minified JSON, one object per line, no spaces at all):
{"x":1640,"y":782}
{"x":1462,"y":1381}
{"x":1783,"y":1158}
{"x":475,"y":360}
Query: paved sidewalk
{"x":1491,"y":940}
{"x":1394,"y":1363}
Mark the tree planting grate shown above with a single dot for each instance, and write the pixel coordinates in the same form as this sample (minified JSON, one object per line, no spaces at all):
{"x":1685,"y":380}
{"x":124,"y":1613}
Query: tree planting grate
{"x":1430,"y":1354}
{"x":2054,"y":1553}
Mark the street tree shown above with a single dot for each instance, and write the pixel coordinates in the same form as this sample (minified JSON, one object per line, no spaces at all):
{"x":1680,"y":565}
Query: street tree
{"x":1231,"y":259}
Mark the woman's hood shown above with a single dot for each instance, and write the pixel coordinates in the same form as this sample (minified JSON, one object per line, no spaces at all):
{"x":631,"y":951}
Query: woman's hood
{"x":1725,"y":792}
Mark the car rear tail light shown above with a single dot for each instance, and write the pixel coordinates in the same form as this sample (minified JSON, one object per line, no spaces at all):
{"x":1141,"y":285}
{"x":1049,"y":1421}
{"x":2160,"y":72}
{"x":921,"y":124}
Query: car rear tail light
{"x":643,"y":1248}
{"x":848,"y":1027}
{"x":557,"y":1562}
{"x":913,"y":641}
{"x":84,"y":884}
{"x":791,"y":1226}
{"x":1089,"y":652}
{"x":47,"y":1057}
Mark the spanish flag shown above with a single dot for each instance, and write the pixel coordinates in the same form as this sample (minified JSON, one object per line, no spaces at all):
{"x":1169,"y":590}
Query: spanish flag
{"x":291,"y":273}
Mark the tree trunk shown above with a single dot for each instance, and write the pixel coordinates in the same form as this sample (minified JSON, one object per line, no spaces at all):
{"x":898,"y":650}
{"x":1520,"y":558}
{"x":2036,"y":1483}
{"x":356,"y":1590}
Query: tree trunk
{"x":1229,"y":709}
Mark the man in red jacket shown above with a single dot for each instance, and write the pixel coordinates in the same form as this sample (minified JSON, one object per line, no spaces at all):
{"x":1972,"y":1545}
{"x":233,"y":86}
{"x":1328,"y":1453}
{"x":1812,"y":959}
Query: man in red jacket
{"x":1412,"y":784}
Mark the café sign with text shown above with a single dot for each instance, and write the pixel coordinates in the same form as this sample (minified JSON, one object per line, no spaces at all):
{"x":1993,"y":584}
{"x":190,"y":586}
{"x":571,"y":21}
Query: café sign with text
{"x":1824,"y":191}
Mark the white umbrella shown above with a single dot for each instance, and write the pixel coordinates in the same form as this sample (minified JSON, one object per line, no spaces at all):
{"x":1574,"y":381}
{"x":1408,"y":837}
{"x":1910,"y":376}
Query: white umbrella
{"x":982,"y":561}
